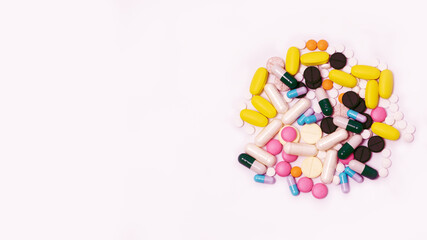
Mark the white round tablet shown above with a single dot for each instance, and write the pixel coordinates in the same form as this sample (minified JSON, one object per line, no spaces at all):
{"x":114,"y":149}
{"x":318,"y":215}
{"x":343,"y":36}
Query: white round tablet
{"x":347,"y":69}
{"x":410,"y":128}
{"x":238,"y":122}
{"x":383,"y":172}
{"x":352,"y":61}
{"x":394,"y":98}
{"x":389,"y":120}
{"x":362,"y":93}
{"x":384,"y":103}
{"x":386,"y":163}
{"x":325,"y":66}
{"x":311,"y":95}
{"x":407,"y":137}
{"x":398,"y":115}
{"x":386,"y":153}
{"x":321,"y":154}
{"x":300,"y":44}
{"x":249,"y":129}
{"x":362,"y":83}
{"x":356,"y":89}
{"x":394,"y":107}
{"x":340,"y":167}
{"x":333,"y":93}
{"x":299,"y":77}
{"x":382,"y":66}
{"x":366,"y":134}
{"x":270,"y":172}
{"x":340,"y":48}
{"x":348,"y":53}
{"x":247,"y":95}
{"x":331,"y":50}
{"x":324,"y":73}
{"x":337,"y":86}
{"x":333,"y":102}
{"x":401,"y":124}
{"x":336,"y":180}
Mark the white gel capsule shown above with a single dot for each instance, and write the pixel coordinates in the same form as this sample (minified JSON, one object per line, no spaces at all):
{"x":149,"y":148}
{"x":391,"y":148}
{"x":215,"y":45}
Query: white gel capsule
{"x":329,"y":166}
{"x":268,"y":132}
{"x":260,"y":155}
{"x":276,"y":98}
{"x":300,"y":149}
{"x":332,"y":139}
{"x":296,"y":111}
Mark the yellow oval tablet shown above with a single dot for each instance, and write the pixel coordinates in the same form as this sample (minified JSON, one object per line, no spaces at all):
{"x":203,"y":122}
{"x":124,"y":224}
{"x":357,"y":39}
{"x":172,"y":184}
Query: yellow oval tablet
{"x":253,"y":117}
{"x":385,"y":131}
{"x":258,"y":81}
{"x":311,"y":167}
{"x":342,"y":78}
{"x":263,"y":106}
{"x":292,"y":61}
{"x":365,"y":72}
{"x":371,"y":94}
{"x":386,"y":84}
{"x":314,"y":58}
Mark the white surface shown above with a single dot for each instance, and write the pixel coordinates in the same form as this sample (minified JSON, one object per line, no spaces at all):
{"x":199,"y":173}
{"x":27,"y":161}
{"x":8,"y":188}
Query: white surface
{"x":116,"y":120}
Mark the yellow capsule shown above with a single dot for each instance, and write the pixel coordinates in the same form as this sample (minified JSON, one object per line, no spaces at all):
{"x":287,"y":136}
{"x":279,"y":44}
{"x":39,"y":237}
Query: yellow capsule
{"x":314,"y":58}
{"x":386,"y":84}
{"x":342,"y":78}
{"x":365,"y":72}
{"x":292,"y":60}
{"x":385,"y":131}
{"x":371,"y":94}
{"x":258,"y":81}
{"x":253,"y":117}
{"x":263,"y":106}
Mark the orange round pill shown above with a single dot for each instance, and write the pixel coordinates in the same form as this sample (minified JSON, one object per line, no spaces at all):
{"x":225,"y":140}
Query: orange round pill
{"x":311,"y":45}
{"x":327,"y":84}
{"x":296,"y":171}
{"x":322,"y":45}
{"x":340,"y":97}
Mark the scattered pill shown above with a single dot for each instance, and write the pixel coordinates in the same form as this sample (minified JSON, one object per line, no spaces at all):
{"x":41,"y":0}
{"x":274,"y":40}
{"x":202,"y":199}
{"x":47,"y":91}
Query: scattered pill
{"x":311,"y":133}
{"x":366,"y":134}
{"x":327,"y":125}
{"x":410,"y":128}
{"x":311,"y":167}
{"x":348,"y":53}
{"x":289,"y":157}
{"x":355,"y":176}
{"x":283,"y":169}
{"x":300,"y":149}
{"x":384,"y":103}
{"x":311,"y":45}
{"x":386,"y":153}
{"x":365,"y":72}
{"x":284,"y":76}
{"x":389,"y":120}
{"x":349,"y":147}
{"x":340,"y":167}
{"x":314,"y":58}
{"x":288,"y":134}
{"x":258,"y":81}
{"x":336,"y":180}
{"x":296,"y":110}
{"x":408,"y":137}
{"x":329,"y":166}
{"x":340,"y":48}
{"x":250,"y":130}
{"x":376,"y":144}
{"x":292,"y":60}
{"x":338,"y":60}
{"x":383,"y":172}
{"x":322,"y":45}
{"x":274,"y":147}
{"x":352,"y":62}
{"x":311,"y":95}
{"x":401,"y":124}
{"x":369,"y":121}
{"x":238,"y":122}
{"x":312,"y":77}
{"x":276,"y":98}
{"x":394,"y":107}
{"x":296,"y":171}
{"x":345,"y":187}
{"x":327,"y":84}
{"x":386,"y":163}
{"x":385,"y":131}
{"x":299,"y":77}
{"x":348,"y":124}
{"x":362,"y":93}
{"x":300,"y":44}
{"x":305,"y":184}
{"x":348,"y":159}
{"x":325,"y":66}
{"x":264,"y":179}
{"x":330,"y":50}
{"x":378,"y":114}
{"x":270,"y":172}
{"x":319,"y":190}
{"x":356,"y":116}
{"x":394,"y":98}
{"x":260,"y":155}
{"x":350,"y":99}
{"x":382,"y":66}
{"x":292,"y":185}
{"x":251,"y":163}
{"x":332,"y":139}
{"x":363,"y":169}
{"x":301,"y":119}
{"x":254,"y":118}
{"x":398,"y":116}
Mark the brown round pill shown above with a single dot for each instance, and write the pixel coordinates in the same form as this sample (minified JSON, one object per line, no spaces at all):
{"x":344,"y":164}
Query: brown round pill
{"x":337,"y":60}
{"x":376,"y":144}
{"x":327,"y":125}
{"x":350,"y":99}
{"x":312,"y":77}
{"x":362,"y":154}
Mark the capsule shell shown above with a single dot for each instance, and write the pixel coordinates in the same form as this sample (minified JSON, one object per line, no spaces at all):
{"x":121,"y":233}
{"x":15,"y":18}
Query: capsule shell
{"x":264,"y":179}
{"x":342,"y":78}
{"x":296,"y":92}
{"x":268,"y":132}
{"x":385,"y":131}
{"x":295,"y":111}
{"x":292,"y":60}
{"x":363,"y":169}
{"x":258,"y":81}
{"x":324,"y":102}
{"x":253,"y":117}
{"x":292,"y":185}
{"x":348,"y":124}
{"x":260,"y":155}
{"x":356,"y":116}
{"x":332,"y":139}
{"x":301,"y":119}
{"x":345,"y":187}
{"x":386,"y":83}
{"x":365,"y":72}
{"x":329,"y":166}
{"x":371,"y":94}
{"x":313,"y":118}
{"x":300,"y":149}
{"x":349,"y":146}
{"x":250,"y":162}
{"x":263,"y":106}
{"x":356,"y":177}
{"x":276,"y":98}
{"x":314,"y":58}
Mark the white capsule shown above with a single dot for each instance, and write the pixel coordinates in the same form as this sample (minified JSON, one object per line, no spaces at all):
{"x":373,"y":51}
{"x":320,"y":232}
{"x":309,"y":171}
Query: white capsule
{"x":340,"y":168}
{"x":332,"y":139}
{"x":355,"y":141}
{"x":295,"y":111}
{"x":329,"y":166}
{"x":276,"y":98}
{"x":300,"y":149}
{"x":260,"y":155}
{"x":321,"y":94}
{"x":278,"y":71}
{"x":268,"y":132}
{"x":386,"y":163}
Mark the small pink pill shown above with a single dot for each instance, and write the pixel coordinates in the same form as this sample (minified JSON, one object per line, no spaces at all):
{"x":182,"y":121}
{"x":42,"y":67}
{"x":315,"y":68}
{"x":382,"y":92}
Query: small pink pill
{"x":305,"y":184}
{"x":288,"y":157}
{"x":319,"y":190}
{"x":288,"y":134}
{"x":274,"y":146}
{"x":283,"y":169}
{"x":378,"y":114}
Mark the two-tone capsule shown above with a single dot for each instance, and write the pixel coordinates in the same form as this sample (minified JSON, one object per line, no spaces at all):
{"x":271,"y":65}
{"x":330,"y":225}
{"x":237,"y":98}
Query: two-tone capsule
{"x":356,"y":177}
{"x":356,"y":116}
{"x":349,"y":146}
{"x":296,"y":92}
{"x":313,"y":118}
{"x":324,"y":102}
{"x":264,"y":179}
{"x":301,"y":119}
{"x":348,"y":124}
{"x":284,"y":76}
{"x":292,"y":185}
{"x":250,"y":162}
{"x":345,"y":187}
{"x":363,"y":169}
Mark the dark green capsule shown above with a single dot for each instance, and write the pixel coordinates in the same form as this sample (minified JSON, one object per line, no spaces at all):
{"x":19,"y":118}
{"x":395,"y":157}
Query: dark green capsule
{"x":345,"y":151}
{"x":246,"y":160}
{"x":326,"y":107}
{"x":289,"y":80}
{"x":354,"y":126}
{"x":369,"y":172}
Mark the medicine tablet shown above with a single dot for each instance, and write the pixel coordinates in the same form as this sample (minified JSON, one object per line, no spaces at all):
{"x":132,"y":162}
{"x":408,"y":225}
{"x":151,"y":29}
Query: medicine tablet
{"x":378,"y":114}
{"x":325,"y":66}
{"x":362,"y":154}
{"x":410,"y":128}
{"x":362,"y":83}
{"x":376,"y":144}
{"x":322,"y":45}
{"x":362,"y":93}
{"x":374,"y":62}
{"x":340,"y":48}
{"x":305,"y":184}
{"x":348,"y":53}
{"x":361,"y":107}
{"x":283,"y":169}
{"x":270,"y":172}
{"x":338,"y":60}
{"x":340,"y":167}
{"x":398,"y":116}
{"x":333,"y":102}
{"x":338,"y":146}
{"x":300,"y":44}
{"x":352,"y":61}
{"x":311,"y":133}
{"x":336,"y":180}
{"x":311,"y":95}
{"x":327,"y":125}
{"x":337,"y":86}
{"x":386,"y":163}
{"x":394,"y":98}
{"x":311,"y":167}
{"x":289,"y":157}
{"x":333,"y":93}
{"x":312,"y":77}
{"x":274,"y":147}
{"x":382,"y":66}
{"x":319,"y":190}
{"x":366,"y":134}
{"x":249,"y":129}
{"x":386,"y":153}
{"x":389,"y":120}
{"x":321,"y":154}
{"x":401,"y":124}
{"x":238,"y":122}
{"x":350,"y":99}
{"x":408,"y":137}
{"x":356,"y":89}
{"x":299,"y":77}
{"x":288,"y":133}
{"x":394,"y":107}
{"x":347,"y":160}
{"x":347,"y":69}
{"x":324,"y":73}
{"x":384,"y":103}
{"x":331,"y":50}
{"x":296,"y":171}
{"x":369,"y":121}
{"x":383,"y":172}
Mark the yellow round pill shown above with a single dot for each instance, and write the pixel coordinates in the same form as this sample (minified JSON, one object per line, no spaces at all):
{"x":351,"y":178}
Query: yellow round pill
{"x":311,"y":167}
{"x":311,"y":133}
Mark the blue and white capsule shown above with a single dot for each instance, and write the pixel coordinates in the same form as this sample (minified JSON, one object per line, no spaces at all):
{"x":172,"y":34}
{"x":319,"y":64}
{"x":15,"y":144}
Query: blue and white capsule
{"x":301,"y":119}
{"x":292,"y":185}
{"x":345,"y":187}
{"x":356,"y":116}
{"x":356,"y":177}
{"x":313,"y":118}
{"x":296,"y":92}
{"x":264,"y":179}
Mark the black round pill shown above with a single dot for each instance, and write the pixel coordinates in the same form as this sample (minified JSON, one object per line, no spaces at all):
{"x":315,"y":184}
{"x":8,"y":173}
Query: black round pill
{"x":369,"y":121}
{"x":361,"y":107}
{"x":300,"y":84}
{"x":327,"y":125}
{"x":337,"y":60}
{"x":312,"y":77}
{"x":376,"y":144}
{"x":350,"y":99}
{"x":362,"y":154}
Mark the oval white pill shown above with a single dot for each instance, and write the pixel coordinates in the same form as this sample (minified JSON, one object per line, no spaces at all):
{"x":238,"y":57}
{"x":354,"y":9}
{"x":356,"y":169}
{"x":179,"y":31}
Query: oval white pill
{"x":340,"y":167}
{"x":389,"y":120}
{"x":386,"y":153}
{"x":348,"y":53}
{"x":331,"y":50}
{"x":352,"y":61}
{"x":340,"y":48}
{"x":408,"y":137}
{"x":410,"y":128}
{"x":271,"y":172}
{"x":336,"y":180}
{"x":394,"y":98}
{"x":249,"y":129}
{"x":386,"y":163}
{"x":394,"y":107}
{"x":366,"y":134}
{"x":383,"y":172}
{"x":401,"y":124}
{"x":398,"y":116}
{"x":311,"y":95}
{"x":333,"y":93}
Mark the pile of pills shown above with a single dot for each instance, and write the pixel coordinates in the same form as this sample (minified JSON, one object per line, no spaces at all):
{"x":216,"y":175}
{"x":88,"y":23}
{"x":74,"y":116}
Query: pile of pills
{"x":324,"y":115}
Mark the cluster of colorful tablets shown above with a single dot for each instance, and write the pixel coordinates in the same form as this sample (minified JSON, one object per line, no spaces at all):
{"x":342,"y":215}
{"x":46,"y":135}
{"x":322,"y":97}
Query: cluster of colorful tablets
{"x":324,"y":114}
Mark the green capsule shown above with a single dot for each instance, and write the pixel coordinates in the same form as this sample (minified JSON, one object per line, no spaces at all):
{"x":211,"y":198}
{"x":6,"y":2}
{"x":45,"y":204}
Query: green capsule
{"x":289,"y":80}
{"x":369,"y":172}
{"x":345,"y":151}
{"x":354,"y":126}
{"x":363,"y":169}
{"x":250,"y":162}
{"x":326,"y":107}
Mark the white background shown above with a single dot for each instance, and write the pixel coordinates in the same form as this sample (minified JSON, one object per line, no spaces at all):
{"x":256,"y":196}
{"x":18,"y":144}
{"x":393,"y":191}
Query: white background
{"x":115,"y":119}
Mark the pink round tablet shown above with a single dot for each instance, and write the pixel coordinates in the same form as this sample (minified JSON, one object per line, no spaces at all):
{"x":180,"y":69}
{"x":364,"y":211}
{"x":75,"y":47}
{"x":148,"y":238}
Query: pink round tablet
{"x":289,"y":157}
{"x":378,"y":114}
{"x":283,"y":169}
{"x":274,"y":146}
{"x":319,"y":190}
{"x":347,"y":160}
{"x":288,"y":134}
{"x":305,"y":184}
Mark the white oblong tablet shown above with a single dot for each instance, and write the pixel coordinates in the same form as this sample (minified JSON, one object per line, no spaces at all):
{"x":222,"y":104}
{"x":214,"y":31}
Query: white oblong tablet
{"x":332,"y":139}
{"x":329,"y":166}
{"x":300,"y":149}
{"x":276,"y":98}
{"x":260,"y":155}
{"x":296,"y":111}
{"x":268,"y":132}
